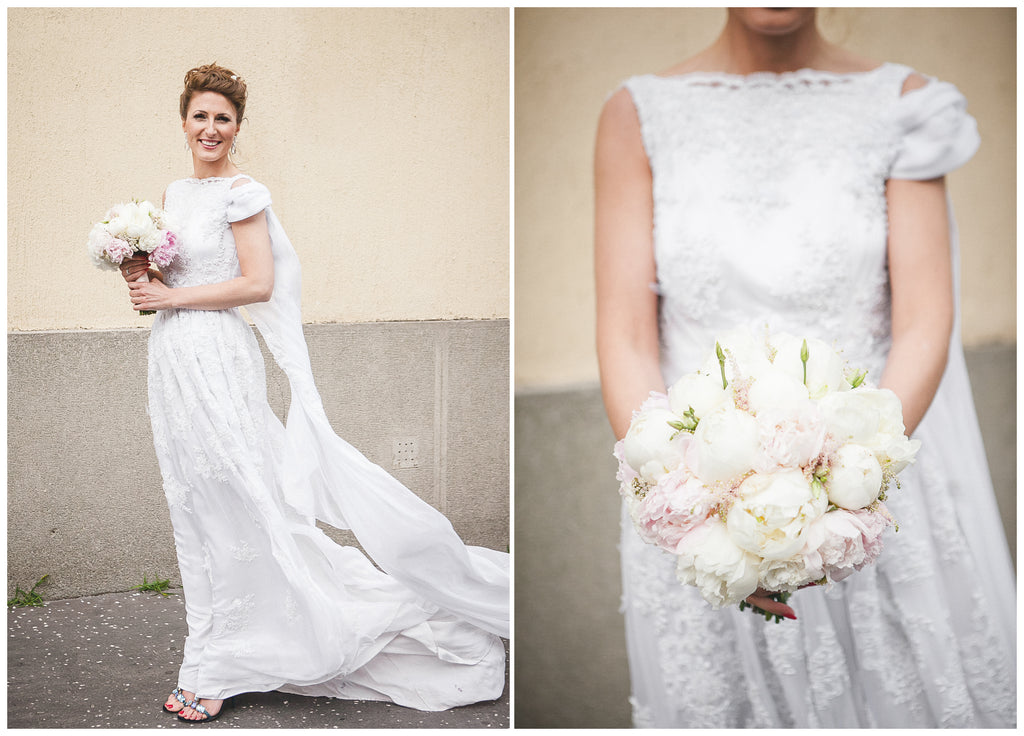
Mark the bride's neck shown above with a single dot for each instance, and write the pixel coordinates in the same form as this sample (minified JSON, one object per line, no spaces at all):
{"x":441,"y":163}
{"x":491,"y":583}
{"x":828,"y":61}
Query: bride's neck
{"x":742,"y":50}
{"x":218,"y":169}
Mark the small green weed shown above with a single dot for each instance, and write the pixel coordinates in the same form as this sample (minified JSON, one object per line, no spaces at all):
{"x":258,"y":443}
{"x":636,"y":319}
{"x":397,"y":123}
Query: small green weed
{"x":27,"y":598}
{"x":157,"y":586}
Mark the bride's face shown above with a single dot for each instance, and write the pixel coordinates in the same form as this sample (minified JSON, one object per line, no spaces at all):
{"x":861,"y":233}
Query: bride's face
{"x":210,"y":126}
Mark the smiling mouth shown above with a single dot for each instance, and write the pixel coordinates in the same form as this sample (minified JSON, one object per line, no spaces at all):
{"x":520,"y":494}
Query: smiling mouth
{"x":209,"y":144}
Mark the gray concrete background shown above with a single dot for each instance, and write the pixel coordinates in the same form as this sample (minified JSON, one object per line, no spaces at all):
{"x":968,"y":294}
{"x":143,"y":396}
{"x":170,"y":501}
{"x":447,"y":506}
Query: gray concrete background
{"x":85,"y":500}
{"x":570,"y":668}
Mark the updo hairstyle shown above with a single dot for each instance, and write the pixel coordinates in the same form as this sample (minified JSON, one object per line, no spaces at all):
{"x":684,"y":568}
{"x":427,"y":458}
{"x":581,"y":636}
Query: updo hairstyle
{"x":214,"y":78}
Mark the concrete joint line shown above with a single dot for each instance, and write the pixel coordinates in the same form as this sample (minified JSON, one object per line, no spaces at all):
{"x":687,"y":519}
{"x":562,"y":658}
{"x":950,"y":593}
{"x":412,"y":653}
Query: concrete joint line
{"x":441,"y":354}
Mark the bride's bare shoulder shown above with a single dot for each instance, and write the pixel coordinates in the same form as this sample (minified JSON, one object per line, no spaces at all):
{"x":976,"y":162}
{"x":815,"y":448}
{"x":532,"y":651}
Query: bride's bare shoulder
{"x":843,"y":61}
{"x":702,"y":62}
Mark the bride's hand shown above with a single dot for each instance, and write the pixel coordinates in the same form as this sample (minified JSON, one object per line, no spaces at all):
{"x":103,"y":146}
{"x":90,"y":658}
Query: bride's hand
{"x":760,"y":599}
{"x":132,"y":268}
{"x":150,"y":295}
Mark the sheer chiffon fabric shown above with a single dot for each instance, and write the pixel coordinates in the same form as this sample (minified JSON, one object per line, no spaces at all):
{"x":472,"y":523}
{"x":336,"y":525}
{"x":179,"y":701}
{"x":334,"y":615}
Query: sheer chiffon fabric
{"x":770,"y":211}
{"x":272,"y":603}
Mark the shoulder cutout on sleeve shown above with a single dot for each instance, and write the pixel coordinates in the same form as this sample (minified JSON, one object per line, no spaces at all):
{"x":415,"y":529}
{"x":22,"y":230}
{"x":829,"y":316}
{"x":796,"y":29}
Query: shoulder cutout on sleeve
{"x":247,"y":198}
{"x":937,"y":135}
{"x":912,"y":82}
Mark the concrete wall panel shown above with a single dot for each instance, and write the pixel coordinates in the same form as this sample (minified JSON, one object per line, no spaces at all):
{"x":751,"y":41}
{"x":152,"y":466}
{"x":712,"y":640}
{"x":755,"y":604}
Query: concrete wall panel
{"x":85,"y":499}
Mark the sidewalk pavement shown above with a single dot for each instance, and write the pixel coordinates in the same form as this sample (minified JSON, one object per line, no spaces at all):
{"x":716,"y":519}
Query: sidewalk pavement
{"x":109,"y":661}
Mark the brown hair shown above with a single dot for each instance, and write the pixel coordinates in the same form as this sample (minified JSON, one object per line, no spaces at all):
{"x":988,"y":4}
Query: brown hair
{"x":213,"y":78}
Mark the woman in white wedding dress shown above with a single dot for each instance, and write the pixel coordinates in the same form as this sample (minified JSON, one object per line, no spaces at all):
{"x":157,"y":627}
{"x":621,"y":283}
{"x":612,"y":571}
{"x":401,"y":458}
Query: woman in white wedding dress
{"x":776,"y":179}
{"x":272,"y":603}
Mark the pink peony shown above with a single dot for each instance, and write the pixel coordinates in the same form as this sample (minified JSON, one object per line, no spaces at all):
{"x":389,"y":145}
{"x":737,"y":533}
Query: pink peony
{"x":163,"y":254}
{"x":790,"y":438}
{"x":117,"y":250}
{"x":842,"y":542}
{"x":672,"y":508}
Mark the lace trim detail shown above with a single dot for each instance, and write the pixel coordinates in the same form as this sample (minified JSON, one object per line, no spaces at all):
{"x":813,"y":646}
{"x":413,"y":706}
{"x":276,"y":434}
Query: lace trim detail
{"x":799,"y":79}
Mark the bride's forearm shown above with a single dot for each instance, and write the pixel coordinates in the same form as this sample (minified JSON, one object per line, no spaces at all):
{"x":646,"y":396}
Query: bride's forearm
{"x":914,"y":370}
{"x":237,"y":292}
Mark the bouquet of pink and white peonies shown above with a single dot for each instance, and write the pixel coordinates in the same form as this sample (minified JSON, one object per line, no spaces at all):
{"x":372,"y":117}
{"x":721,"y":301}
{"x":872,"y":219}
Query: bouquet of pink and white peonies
{"x":765,"y":468}
{"x":132,"y":230}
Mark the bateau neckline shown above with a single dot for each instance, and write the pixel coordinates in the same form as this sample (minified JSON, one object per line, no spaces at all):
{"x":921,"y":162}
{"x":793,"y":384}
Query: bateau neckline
{"x":802,"y":74}
{"x":197,"y":180}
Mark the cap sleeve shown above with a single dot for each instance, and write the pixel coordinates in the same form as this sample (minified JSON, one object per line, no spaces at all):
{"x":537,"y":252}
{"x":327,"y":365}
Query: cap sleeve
{"x":246,"y":200}
{"x":937,"y":135}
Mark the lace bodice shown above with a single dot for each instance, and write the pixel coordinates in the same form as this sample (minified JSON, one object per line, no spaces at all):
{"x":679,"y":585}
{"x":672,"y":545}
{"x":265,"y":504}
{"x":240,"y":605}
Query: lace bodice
{"x":198,"y":209}
{"x":769,"y":201}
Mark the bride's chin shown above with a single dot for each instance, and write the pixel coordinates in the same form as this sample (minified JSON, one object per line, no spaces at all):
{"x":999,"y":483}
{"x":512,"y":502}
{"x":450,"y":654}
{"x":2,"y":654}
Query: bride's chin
{"x":775,"y":21}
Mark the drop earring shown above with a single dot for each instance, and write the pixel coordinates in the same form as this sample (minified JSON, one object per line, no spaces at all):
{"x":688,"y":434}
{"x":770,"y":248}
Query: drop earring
{"x":233,"y":151}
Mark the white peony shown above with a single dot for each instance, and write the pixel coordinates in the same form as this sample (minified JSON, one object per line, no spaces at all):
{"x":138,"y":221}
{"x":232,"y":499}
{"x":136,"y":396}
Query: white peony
{"x":872,"y":417}
{"x":772,"y":511}
{"x":648,"y":446}
{"x":774,"y":388}
{"x":824,"y":366}
{"x":851,"y":416}
{"x":708,"y":559}
{"x":698,"y":391}
{"x":726,"y":445}
{"x":854,"y":477}
{"x":788,"y":574}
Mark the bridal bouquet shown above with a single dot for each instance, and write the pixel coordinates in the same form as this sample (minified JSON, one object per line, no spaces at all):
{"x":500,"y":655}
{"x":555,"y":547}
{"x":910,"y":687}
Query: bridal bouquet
{"x":765,"y":468}
{"x":132,"y":229}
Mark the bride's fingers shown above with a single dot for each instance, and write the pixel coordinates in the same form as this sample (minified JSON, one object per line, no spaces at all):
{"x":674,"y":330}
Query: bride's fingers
{"x":772,"y":606}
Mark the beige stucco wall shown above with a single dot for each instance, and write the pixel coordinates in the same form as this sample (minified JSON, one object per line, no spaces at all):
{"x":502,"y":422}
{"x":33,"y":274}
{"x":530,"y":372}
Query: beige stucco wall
{"x":382,"y":134}
{"x":568,"y":60}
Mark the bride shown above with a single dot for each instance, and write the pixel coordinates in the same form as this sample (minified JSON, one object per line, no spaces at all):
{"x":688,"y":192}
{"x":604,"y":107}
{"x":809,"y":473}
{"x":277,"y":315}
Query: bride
{"x":776,"y":179}
{"x":271,"y":602}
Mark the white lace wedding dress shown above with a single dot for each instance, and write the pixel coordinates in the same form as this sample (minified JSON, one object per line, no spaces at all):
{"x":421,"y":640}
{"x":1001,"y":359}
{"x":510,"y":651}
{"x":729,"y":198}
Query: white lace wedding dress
{"x":769,"y":208}
{"x":271,"y":602}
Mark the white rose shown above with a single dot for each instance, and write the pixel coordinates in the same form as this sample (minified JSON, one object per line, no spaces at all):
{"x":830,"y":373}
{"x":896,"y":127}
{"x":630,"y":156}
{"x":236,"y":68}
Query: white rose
{"x":772,"y":511}
{"x":824,"y":366}
{"x":698,"y":391}
{"x":726,"y":444}
{"x":854,"y":478}
{"x":743,"y":350}
{"x":708,"y":559}
{"x":648,"y":446}
{"x":774,"y":388}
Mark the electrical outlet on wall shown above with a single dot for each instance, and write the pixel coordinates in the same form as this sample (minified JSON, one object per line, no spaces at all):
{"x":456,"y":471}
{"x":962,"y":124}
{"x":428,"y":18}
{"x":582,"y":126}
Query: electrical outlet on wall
{"x":406,"y":453}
